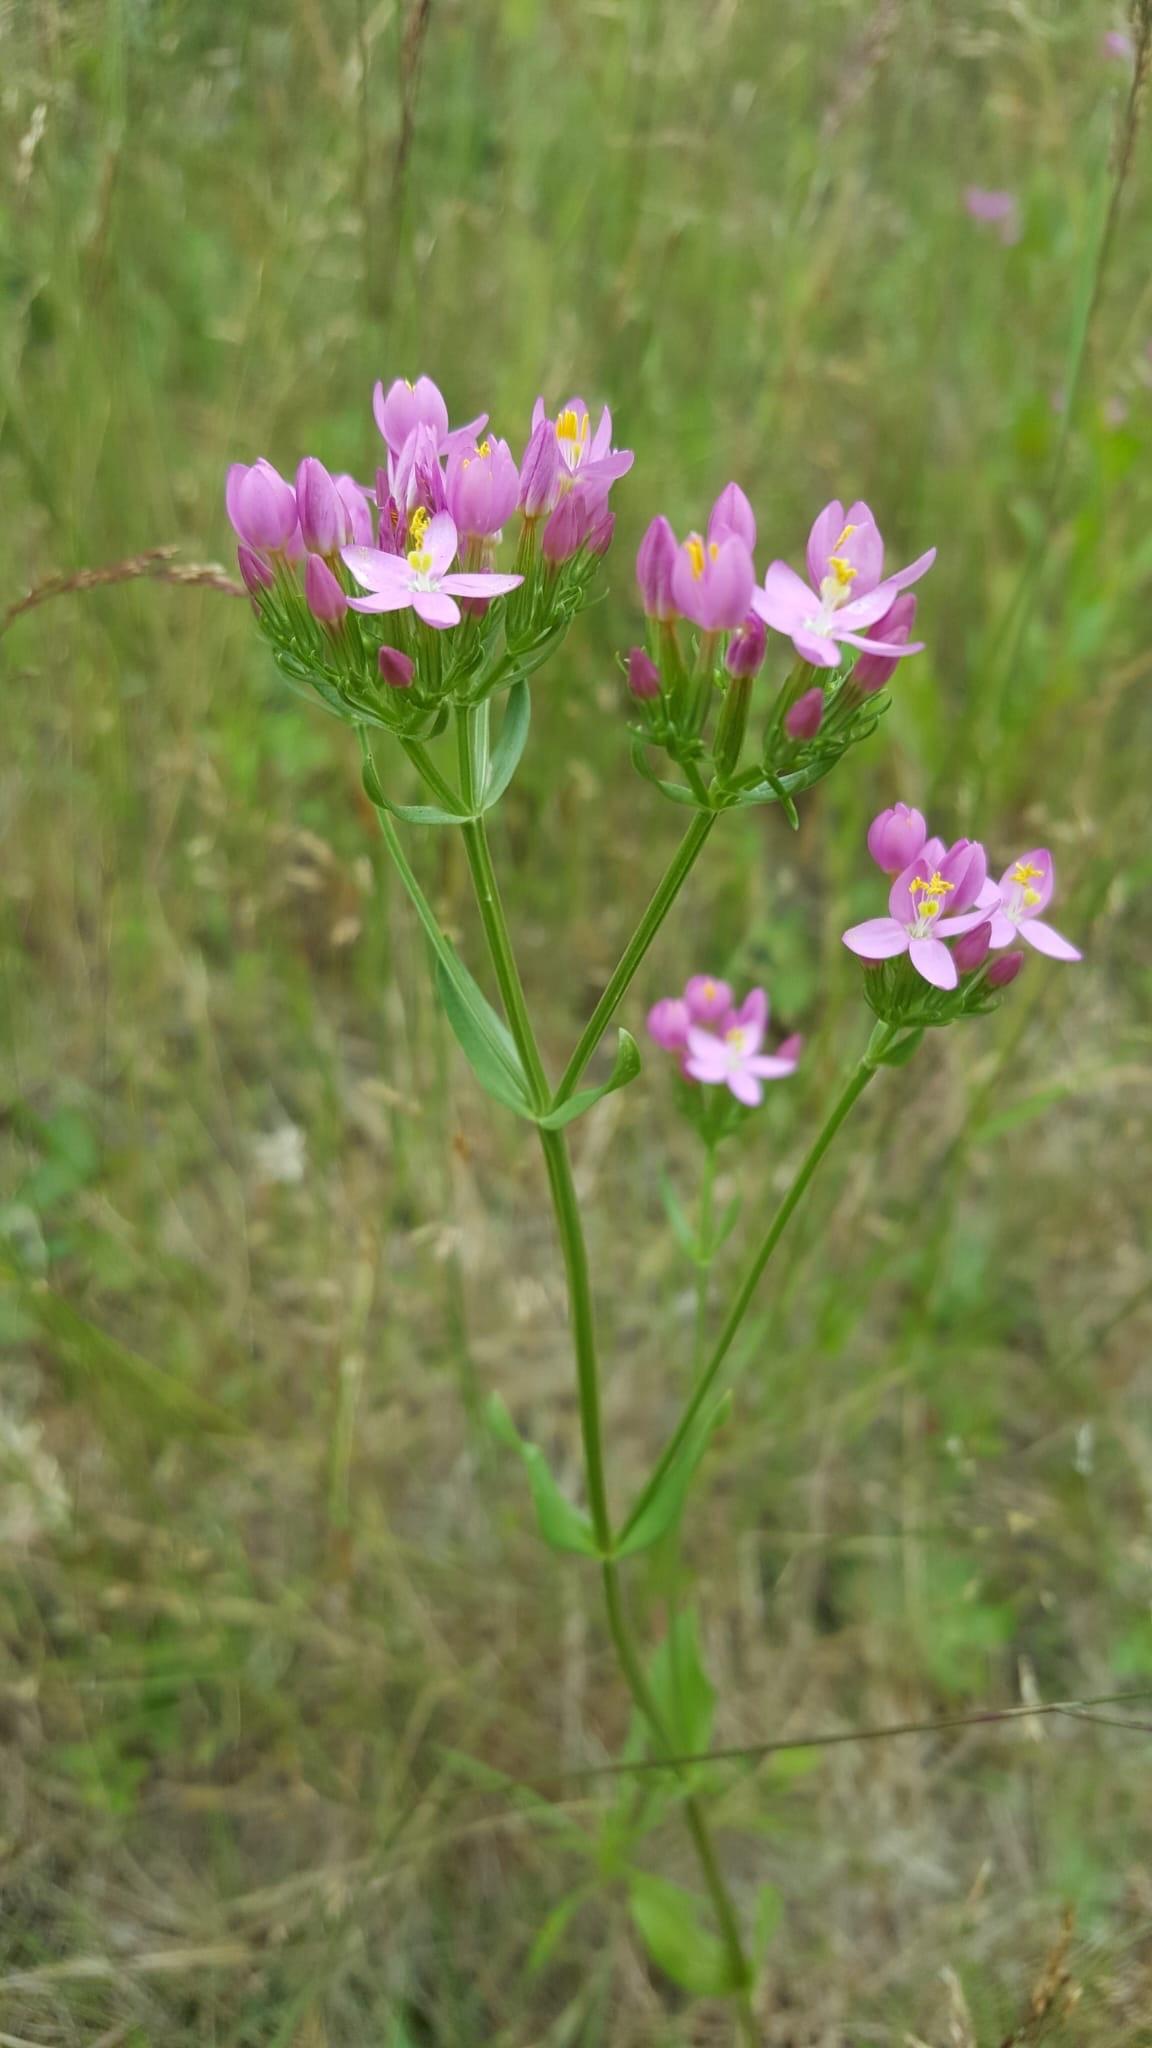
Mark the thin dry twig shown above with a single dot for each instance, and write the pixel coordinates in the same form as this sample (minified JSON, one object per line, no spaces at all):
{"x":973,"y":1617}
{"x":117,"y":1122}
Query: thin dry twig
{"x":158,"y":564}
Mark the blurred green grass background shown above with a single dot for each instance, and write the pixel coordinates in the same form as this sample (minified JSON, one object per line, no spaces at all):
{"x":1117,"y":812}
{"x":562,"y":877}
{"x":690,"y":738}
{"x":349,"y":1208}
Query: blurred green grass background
{"x":264,"y":1585}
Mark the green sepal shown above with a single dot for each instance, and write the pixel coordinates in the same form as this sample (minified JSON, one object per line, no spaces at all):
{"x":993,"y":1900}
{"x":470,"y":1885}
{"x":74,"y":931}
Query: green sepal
{"x":625,"y":1068}
{"x":510,"y":743}
{"x":562,"y":1526}
{"x":670,"y":1924}
{"x":676,"y":792}
{"x":667,"y":1503}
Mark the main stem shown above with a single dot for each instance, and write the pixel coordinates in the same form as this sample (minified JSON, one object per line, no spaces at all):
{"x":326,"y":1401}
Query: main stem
{"x":858,"y":1081}
{"x":571,"y":1232}
{"x":669,"y":888}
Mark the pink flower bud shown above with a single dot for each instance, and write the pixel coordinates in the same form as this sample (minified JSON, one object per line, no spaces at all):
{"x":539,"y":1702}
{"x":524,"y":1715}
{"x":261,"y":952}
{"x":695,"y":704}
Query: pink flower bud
{"x":564,"y":533}
{"x":872,"y":671}
{"x":482,"y":486}
{"x":600,"y":532}
{"x":324,"y":523}
{"x":257,"y":575}
{"x":733,"y":514}
{"x":707,"y":998}
{"x":539,"y":472}
{"x":326,"y":600}
{"x":1004,"y":970}
{"x":655,"y":561}
{"x":804,"y":718}
{"x":643,"y":674}
{"x":668,"y":1023}
{"x":395,"y":668}
{"x":359,"y":511}
{"x":896,"y":838}
{"x":745,"y":652}
{"x":261,"y":506}
{"x":971,"y":948}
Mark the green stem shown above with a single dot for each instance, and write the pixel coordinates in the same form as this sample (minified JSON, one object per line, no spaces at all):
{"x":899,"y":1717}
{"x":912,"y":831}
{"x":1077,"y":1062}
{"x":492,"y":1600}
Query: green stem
{"x":638,"y":1686}
{"x":861,"y":1075}
{"x":677,"y":873}
{"x":571,"y":1233}
{"x":422,"y":760}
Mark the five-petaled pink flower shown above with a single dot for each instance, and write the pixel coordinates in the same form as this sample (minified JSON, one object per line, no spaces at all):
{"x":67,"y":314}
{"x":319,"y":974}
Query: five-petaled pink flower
{"x":935,"y":882}
{"x":584,"y":454}
{"x":419,"y":579}
{"x":1026,"y":890}
{"x":733,"y":1059}
{"x":846,"y":592}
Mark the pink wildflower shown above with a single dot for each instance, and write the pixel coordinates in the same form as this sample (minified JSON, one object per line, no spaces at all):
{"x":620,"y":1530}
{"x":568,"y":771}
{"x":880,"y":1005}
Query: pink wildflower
{"x":482,"y":486}
{"x":845,"y":593}
{"x":896,"y":837}
{"x":713,"y":581}
{"x":404,"y":407}
{"x":419,"y":579}
{"x":262,"y":507}
{"x":915,"y":925}
{"x":994,"y":209}
{"x":1025,"y":890}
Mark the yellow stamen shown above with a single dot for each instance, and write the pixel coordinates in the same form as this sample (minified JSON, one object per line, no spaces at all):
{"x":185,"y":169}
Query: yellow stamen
{"x":845,"y":536}
{"x":842,"y":571}
{"x":418,"y":525}
{"x":694,"y":548}
{"x":735,"y":1037}
{"x":1024,"y":873}
{"x":485,"y":449}
{"x":936,"y":887}
{"x":1031,"y":896}
{"x":572,"y":426}
{"x":419,"y":560}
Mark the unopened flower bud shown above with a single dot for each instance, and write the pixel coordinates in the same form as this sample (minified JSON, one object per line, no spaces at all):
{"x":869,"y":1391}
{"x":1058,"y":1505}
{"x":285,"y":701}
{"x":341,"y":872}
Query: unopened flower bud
{"x":257,"y":575}
{"x":539,"y":471}
{"x":971,"y":948}
{"x":326,"y":600}
{"x":643,"y":674}
{"x":563,"y":534}
{"x":745,"y":652}
{"x":395,"y":668}
{"x":1004,"y":970}
{"x":324,"y":523}
{"x":655,"y":561}
{"x":804,"y":719}
{"x":896,"y":837}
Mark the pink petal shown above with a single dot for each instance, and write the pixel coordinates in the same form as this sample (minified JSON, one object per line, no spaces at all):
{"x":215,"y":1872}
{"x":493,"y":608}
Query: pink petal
{"x":602,"y":438}
{"x":878,"y":938}
{"x":864,"y":611}
{"x":745,"y":1087}
{"x":481,"y":584}
{"x":701,"y":1070}
{"x":375,"y":569}
{"x":706,"y":1047}
{"x":397,"y":599}
{"x":827,"y":527}
{"x":1003,"y":931}
{"x":435,"y":608}
{"x":770,"y":1066}
{"x":989,"y":896}
{"x":932,"y":960}
{"x":817,"y":651}
{"x":785,"y":600}
{"x":896,"y":649}
{"x":1046,"y":940}
{"x":439,"y":542}
{"x":948,"y":927}
{"x":903,"y":903}
{"x":461,"y":436}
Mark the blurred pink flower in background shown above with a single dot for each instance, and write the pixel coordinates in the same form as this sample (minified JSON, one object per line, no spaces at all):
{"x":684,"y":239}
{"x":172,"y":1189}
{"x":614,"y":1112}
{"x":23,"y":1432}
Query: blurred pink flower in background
{"x":994,"y":209}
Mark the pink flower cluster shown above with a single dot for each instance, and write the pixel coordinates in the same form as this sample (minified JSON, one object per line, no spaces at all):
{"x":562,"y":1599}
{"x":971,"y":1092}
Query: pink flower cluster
{"x":718,"y":1041}
{"x":441,"y":494}
{"x":710,"y":580}
{"x":943,"y":892}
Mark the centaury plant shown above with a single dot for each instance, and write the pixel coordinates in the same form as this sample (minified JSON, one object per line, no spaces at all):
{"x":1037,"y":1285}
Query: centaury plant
{"x":387,"y":603}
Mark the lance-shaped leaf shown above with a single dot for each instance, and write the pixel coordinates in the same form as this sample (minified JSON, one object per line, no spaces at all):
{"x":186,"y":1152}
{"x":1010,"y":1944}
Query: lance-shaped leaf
{"x":562,"y":1525}
{"x":676,"y":792}
{"x":681,"y":1687}
{"x":510,"y":743}
{"x":657,"y":1515}
{"x":670,"y":1923}
{"x":412,"y":814}
{"x":482,"y":1037}
{"x":625,"y":1068}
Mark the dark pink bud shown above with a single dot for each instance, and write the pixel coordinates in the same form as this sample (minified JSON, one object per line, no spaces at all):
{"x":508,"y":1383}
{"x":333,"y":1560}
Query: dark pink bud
{"x":971,"y":948}
{"x":746,"y":648}
{"x":395,"y":668}
{"x":655,"y":561}
{"x":359,"y":511}
{"x":539,"y":471}
{"x":733,"y":514}
{"x":324,"y":523}
{"x":1004,"y":970}
{"x":257,"y":575}
{"x":600,"y":532}
{"x":806,"y":716}
{"x":326,"y":600}
{"x":643,"y":674}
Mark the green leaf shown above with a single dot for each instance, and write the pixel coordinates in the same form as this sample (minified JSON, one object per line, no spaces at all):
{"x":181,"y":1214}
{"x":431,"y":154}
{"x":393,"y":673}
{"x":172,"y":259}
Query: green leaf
{"x":682,"y":1230}
{"x":412,"y":814}
{"x":766,"y":1918}
{"x":625,"y":1068}
{"x":682,"y":1688}
{"x":562,"y":1526}
{"x":771,"y":791}
{"x":667,"y":1503}
{"x":483,"y":1038}
{"x":676,"y":792}
{"x":668,"y":1921}
{"x":510,"y":745}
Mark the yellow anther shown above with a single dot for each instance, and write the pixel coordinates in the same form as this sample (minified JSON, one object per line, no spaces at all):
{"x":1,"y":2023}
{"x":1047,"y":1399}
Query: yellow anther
{"x":420,"y":560}
{"x":709,"y":991}
{"x":572,"y":426}
{"x":842,"y":571}
{"x":735,"y":1037}
{"x":418,"y":525}
{"x":846,"y":535}
{"x":936,"y":887}
{"x":1024,"y":873}
{"x":485,"y":449}
{"x":1031,"y":897}
{"x":694,"y":548}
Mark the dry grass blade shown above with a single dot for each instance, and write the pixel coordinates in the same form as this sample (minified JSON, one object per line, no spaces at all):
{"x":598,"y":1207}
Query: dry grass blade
{"x":157,"y":563}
